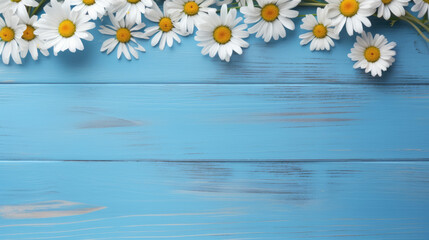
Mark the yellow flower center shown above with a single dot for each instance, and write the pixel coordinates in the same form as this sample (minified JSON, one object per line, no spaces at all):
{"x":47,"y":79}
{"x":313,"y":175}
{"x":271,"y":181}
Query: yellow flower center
{"x":349,"y":8}
{"x":7,"y":34}
{"x":133,"y":1}
{"x":222,"y":34}
{"x":320,"y":31}
{"x":270,"y":12}
{"x":372,"y":54}
{"x":17,"y":1}
{"x":386,"y":1}
{"x":165,"y":24}
{"x":191,"y":8}
{"x":28,"y":33}
{"x":67,"y":28}
{"x":88,"y":2}
{"x":123,"y":35}
{"x":426,"y":1}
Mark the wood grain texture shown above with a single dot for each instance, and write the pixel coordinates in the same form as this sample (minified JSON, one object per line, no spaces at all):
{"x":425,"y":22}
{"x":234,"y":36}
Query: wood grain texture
{"x":281,"y":143}
{"x":283,"y":61}
{"x":259,"y":200}
{"x":213,"y":122}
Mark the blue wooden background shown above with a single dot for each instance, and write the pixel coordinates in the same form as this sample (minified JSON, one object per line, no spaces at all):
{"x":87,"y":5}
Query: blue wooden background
{"x":281,"y":143}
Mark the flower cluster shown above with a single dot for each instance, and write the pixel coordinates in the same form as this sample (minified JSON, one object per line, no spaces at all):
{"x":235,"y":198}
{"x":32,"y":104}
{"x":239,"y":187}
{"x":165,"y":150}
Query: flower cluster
{"x":63,"y":25}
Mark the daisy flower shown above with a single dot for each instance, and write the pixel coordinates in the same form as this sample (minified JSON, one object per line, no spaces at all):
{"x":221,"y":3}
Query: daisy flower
{"x":221,"y":2}
{"x":190,"y":12}
{"x":10,"y":31}
{"x":387,"y":7}
{"x":239,"y":2}
{"x":352,"y":13}
{"x":374,"y":54}
{"x":62,"y":28}
{"x":125,"y":32}
{"x":17,"y":6}
{"x":422,"y":6}
{"x":271,"y":17}
{"x":94,"y":8}
{"x":221,"y":35}
{"x":322,"y":31}
{"x":167,"y":29}
{"x":132,"y":9}
{"x":29,"y":41}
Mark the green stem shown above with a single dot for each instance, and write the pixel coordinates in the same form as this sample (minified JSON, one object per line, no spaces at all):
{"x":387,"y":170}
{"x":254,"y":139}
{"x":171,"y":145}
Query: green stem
{"x":304,"y":15}
{"x":416,"y":28}
{"x":416,"y":20}
{"x":38,"y":7}
{"x":308,"y":4}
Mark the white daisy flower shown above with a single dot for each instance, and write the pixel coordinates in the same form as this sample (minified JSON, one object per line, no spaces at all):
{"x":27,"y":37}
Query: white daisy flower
{"x":374,"y":54}
{"x":190,"y":12}
{"x":221,"y":35}
{"x":17,"y":6}
{"x":132,"y":9}
{"x":322,"y":31}
{"x":10,"y":31}
{"x":271,"y":17}
{"x":239,"y":2}
{"x":125,"y":32}
{"x":167,"y":29}
{"x":221,"y":2}
{"x":422,"y":6}
{"x":94,"y":8}
{"x":351,"y":13}
{"x":29,"y":41}
{"x":387,"y":7}
{"x":62,"y":28}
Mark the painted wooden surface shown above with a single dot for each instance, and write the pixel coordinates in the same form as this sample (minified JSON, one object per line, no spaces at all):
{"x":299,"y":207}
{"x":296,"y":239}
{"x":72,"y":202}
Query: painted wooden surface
{"x":281,"y":143}
{"x":282,"y":61}
{"x":216,"y":200}
{"x":213,"y":122}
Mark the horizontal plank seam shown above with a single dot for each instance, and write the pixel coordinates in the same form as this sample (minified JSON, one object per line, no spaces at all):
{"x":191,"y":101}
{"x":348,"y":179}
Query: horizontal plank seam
{"x":222,"y":83}
{"x":232,"y":160}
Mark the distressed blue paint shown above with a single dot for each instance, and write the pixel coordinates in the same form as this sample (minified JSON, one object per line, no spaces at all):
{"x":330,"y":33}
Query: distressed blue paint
{"x":276,"y":102}
{"x":213,"y":122}
{"x":283,"y":61}
{"x":222,"y":200}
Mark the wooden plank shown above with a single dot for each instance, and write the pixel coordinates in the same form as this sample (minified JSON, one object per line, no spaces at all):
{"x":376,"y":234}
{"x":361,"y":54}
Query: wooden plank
{"x":283,"y":61}
{"x":200,"y":200}
{"x":213,"y":122}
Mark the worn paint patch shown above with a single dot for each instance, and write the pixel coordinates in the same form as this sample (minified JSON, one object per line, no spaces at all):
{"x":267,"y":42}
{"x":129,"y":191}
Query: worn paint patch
{"x":110,"y":123}
{"x":286,"y":114}
{"x":311,"y":120}
{"x":48,"y":209}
